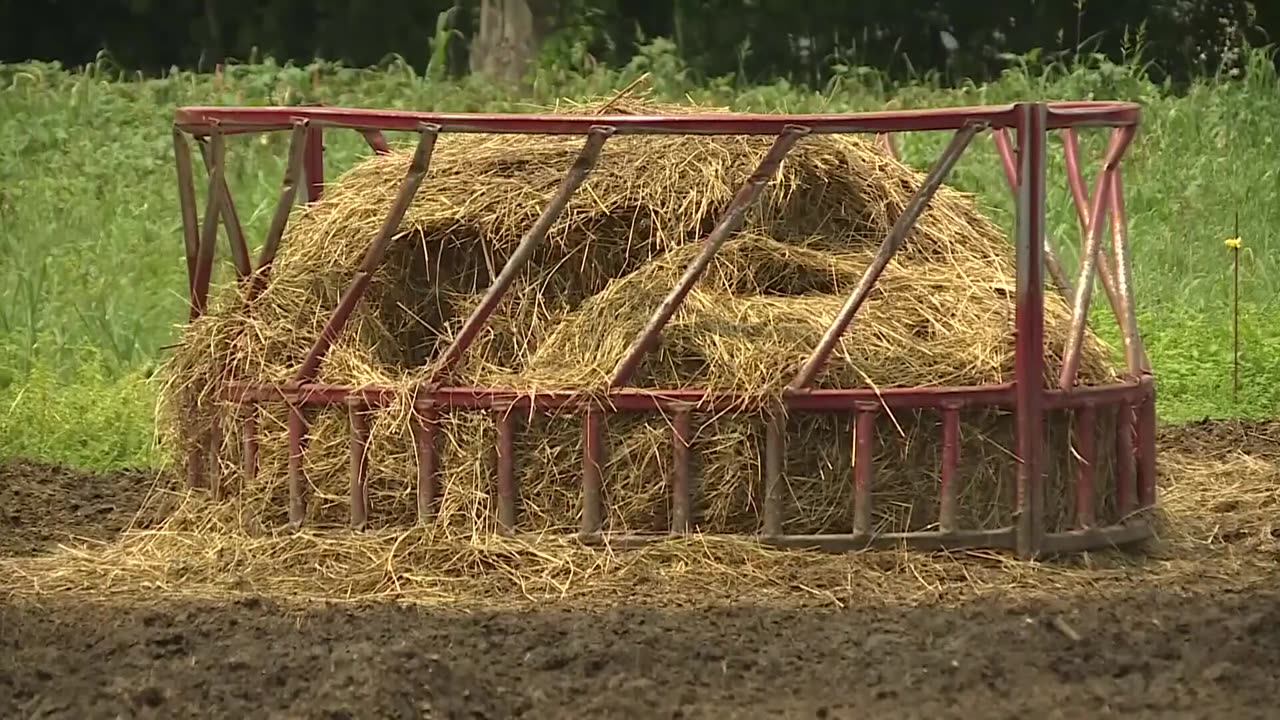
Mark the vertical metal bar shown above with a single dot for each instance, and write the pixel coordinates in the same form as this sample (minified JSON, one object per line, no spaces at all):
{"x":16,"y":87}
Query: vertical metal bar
{"x":1146,"y":432}
{"x":1125,"y":461}
{"x":682,"y":470}
{"x":209,"y":232}
{"x":356,"y":413}
{"x":377,"y":141}
{"x":284,"y":204}
{"x":196,"y":463}
{"x":1051,"y":261}
{"x":418,"y":167}
{"x":774,"y":461}
{"x":297,"y":476}
{"x":520,"y":257}
{"x":592,"y":470}
{"x":230,"y":219}
{"x":1134,"y":352}
{"x":949,"y":492}
{"x":897,"y":234}
{"x":1029,"y":322}
{"x":314,"y":163}
{"x":187,"y":203}
{"x":506,"y":450}
{"x":425,"y":429}
{"x":249,"y":429}
{"x":728,"y":224}
{"x":213,"y":448}
{"x":1086,"y":466}
{"x":1079,"y":195}
{"x":864,"y":430}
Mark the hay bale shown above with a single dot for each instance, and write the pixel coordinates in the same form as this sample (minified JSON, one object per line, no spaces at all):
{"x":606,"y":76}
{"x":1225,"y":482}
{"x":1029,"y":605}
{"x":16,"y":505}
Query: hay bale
{"x":942,"y":314}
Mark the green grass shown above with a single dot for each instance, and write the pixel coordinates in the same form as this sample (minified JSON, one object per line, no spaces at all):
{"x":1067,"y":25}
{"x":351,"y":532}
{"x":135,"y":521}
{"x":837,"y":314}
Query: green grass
{"x":92,"y":275}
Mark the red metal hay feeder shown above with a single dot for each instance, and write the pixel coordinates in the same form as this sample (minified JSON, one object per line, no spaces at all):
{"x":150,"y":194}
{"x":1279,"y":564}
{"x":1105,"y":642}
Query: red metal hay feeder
{"x":1132,"y":401}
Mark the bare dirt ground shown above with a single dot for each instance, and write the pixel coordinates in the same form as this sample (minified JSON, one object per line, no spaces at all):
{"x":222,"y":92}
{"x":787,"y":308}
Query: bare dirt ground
{"x":1205,"y":648}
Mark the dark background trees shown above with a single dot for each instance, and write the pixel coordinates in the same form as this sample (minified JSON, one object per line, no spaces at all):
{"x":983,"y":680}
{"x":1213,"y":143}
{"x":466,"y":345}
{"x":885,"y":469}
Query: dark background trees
{"x":804,"y":41}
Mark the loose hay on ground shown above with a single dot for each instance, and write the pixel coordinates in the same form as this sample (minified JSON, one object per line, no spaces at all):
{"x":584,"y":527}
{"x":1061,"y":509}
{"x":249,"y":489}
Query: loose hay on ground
{"x":1220,"y":527}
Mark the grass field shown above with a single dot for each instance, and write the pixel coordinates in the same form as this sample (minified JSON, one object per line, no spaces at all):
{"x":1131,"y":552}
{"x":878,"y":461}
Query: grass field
{"x":92,"y":278}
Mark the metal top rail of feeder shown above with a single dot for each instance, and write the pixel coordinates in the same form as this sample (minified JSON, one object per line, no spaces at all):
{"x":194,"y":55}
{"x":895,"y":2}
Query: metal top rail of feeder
{"x":199,"y":120}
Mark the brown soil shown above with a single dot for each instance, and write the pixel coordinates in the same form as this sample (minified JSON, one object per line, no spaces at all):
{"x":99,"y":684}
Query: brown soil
{"x":42,"y":506}
{"x":1209,"y":650}
{"x":1150,"y":655}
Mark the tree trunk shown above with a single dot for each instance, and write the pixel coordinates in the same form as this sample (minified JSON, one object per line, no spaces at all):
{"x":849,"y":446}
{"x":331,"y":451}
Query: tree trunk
{"x":511,"y":33}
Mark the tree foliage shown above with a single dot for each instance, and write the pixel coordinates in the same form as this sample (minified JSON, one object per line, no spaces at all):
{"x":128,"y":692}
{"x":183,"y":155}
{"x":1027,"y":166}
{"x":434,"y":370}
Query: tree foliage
{"x":749,"y":40}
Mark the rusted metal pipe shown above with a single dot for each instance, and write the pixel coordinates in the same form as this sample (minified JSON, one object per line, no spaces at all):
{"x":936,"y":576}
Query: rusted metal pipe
{"x":1134,"y":352}
{"x":377,"y":141}
{"x":864,"y":430}
{"x":1146,"y":451}
{"x":1084,"y":289}
{"x":1086,"y":459}
{"x":897,"y":235}
{"x":213,"y":448}
{"x":506,"y":456}
{"x":949,"y":492}
{"x":1088,"y":262}
{"x":1029,"y":325}
{"x":829,"y":400}
{"x":356,"y":413}
{"x":197,"y":120}
{"x":1051,"y":261}
{"x":682,"y":471}
{"x":249,"y":432}
{"x":373,"y":257}
{"x":425,"y":428}
{"x":774,"y":462}
{"x":1079,"y":196}
{"x":475,"y":322}
{"x":209,"y":232}
{"x":297,"y":471}
{"x":196,"y":464}
{"x":187,"y":203}
{"x":230,"y":219}
{"x":284,"y":205}
{"x":592,"y":470}
{"x":1125,"y":462}
{"x":728,"y":224}
{"x":889,"y":145}
{"x":314,"y":163}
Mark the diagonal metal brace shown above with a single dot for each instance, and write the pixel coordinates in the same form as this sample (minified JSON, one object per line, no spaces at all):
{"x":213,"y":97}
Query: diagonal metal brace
{"x":1101,"y":205}
{"x":581,"y":168}
{"x":897,"y":235}
{"x":209,"y":230}
{"x":230,"y":218}
{"x":1117,"y":287}
{"x":729,"y":223}
{"x":373,"y":257}
{"x":1134,"y":350}
{"x":288,"y":196}
{"x":1051,"y":261}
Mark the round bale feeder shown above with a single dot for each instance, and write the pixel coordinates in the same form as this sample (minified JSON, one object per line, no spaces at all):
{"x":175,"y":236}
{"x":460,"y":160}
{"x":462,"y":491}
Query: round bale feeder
{"x":658,"y":321}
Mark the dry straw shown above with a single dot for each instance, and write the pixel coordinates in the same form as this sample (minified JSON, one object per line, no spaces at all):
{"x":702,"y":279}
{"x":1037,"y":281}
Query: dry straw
{"x":1221,"y":533}
{"x":942,"y":314}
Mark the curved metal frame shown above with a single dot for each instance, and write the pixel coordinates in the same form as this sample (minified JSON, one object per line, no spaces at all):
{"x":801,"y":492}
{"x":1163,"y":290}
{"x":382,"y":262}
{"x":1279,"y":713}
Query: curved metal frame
{"x":1132,"y":401}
